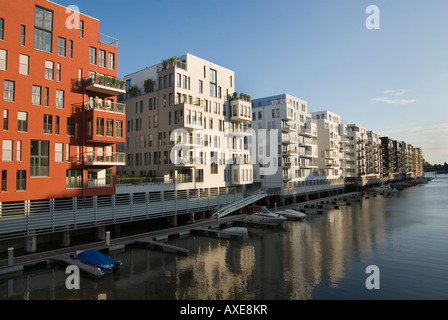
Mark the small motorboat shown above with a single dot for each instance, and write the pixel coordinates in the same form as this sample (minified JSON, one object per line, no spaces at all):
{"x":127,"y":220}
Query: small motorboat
{"x":99,"y":260}
{"x":291,"y":214}
{"x":261,"y":214}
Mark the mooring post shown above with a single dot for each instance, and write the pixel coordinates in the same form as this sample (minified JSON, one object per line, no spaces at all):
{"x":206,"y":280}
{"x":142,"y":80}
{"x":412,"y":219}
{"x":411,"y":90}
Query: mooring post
{"x":10,"y":257}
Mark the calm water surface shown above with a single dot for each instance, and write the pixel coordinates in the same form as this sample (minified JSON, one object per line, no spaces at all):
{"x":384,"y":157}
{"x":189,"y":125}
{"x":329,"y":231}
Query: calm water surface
{"x":324,"y":257}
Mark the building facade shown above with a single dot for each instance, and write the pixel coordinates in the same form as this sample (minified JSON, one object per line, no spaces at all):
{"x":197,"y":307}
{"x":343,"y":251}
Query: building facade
{"x":298,"y":171}
{"x":61,"y":121}
{"x":186,"y":123}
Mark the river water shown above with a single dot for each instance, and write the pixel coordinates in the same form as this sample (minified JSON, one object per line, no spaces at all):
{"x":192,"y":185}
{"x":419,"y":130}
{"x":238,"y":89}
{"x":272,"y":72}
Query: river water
{"x":324,"y":257}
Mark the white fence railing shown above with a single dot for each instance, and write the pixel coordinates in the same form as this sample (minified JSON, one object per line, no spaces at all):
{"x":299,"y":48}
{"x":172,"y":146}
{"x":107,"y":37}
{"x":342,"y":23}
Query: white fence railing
{"x":20,"y":219}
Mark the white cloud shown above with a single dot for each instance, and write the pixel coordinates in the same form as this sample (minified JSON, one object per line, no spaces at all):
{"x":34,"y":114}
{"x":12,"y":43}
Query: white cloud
{"x":394,"y":101}
{"x":395,"y":92}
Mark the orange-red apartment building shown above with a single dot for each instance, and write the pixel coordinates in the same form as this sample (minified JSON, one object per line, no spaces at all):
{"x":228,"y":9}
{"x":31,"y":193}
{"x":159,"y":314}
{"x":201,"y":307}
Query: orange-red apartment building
{"x":60,"y":119}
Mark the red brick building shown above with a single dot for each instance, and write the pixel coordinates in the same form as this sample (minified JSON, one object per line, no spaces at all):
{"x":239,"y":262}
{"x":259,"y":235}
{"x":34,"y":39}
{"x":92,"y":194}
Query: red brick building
{"x":60,"y":119}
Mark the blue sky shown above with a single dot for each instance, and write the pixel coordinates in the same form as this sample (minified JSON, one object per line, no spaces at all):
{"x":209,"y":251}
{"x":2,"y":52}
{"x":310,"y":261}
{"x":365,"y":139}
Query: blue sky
{"x":393,"y":80}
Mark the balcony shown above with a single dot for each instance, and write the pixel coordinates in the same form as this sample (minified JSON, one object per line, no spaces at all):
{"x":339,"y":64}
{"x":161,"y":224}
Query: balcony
{"x":241,"y":110}
{"x":308,"y":131}
{"x":289,"y":126}
{"x":107,"y":85}
{"x":242,"y":174}
{"x":106,"y":106}
{"x":105,"y":159}
{"x":188,"y":162}
{"x":240,"y":131}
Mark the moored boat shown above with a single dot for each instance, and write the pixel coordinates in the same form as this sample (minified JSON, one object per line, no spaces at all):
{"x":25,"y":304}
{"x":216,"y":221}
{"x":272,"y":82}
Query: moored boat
{"x":261,"y":214}
{"x":97,"y":259}
{"x":291,"y":214}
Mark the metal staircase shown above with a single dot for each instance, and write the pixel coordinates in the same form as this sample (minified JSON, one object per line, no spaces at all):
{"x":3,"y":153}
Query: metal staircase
{"x":232,"y":207}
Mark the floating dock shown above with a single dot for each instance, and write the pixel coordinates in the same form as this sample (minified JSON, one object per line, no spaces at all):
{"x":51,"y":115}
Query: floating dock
{"x":163,"y":246}
{"x":216,"y":233}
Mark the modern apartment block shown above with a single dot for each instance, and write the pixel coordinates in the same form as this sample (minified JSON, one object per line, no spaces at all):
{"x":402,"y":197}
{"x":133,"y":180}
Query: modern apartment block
{"x":298,"y":170}
{"x":186,"y":123}
{"x":330,"y":159}
{"x":373,"y":155}
{"x":61,"y":121}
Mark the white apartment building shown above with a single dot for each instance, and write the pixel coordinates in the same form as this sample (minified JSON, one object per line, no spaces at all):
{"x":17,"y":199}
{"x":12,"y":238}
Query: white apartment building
{"x":297,"y":148}
{"x":356,"y":168}
{"x":330,"y":159}
{"x":373,"y":155}
{"x":187,"y":123}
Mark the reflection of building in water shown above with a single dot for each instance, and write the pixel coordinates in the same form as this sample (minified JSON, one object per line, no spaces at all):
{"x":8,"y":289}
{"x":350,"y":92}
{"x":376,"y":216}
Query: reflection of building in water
{"x":221,"y":270}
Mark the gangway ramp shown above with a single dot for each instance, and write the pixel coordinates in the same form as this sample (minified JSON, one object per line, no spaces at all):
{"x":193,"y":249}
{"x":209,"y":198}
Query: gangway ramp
{"x":234,"y":206}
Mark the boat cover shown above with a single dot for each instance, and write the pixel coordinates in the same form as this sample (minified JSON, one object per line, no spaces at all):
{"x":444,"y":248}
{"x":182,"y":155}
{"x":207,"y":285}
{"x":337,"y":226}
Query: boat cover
{"x":95,"y":257}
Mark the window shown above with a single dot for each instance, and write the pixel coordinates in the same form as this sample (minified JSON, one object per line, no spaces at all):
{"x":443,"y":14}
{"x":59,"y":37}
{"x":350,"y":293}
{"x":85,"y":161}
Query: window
{"x":7,"y":150}
{"x":22,"y":35}
{"x":81,"y":29}
{"x":19,"y":151}
{"x":56,"y":125}
{"x":48,"y":124}
{"x":9,"y":90}
{"x":36,"y":96}
{"x":73,"y":179}
{"x":39,"y":158}
{"x":58,"y":72}
{"x":43,"y":29}
{"x":201,"y":86}
{"x":213,"y":86}
{"x":119,"y":129}
{"x":111,"y":61}
{"x":102,"y":58}
{"x":92,"y":55}
{"x":21,"y":180}
{"x":62,"y":43}
{"x":3,"y":59}
{"x":22,"y":121}
{"x":2,"y":26}
{"x":70,"y":49}
{"x":5,"y":119}
{"x":100,"y":126}
{"x":46,"y":96}
{"x":58,"y":152}
{"x":110,"y":127}
{"x":60,"y":99}
{"x":4,"y":179}
{"x":49,"y":68}
{"x":24,"y":64}
{"x":67,"y":152}
{"x":71,"y":127}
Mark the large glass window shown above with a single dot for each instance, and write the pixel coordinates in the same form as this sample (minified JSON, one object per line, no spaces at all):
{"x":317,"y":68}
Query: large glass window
{"x":213,"y":83}
{"x":9,"y":90}
{"x":21,"y":180}
{"x":2,"y":26}
{"x":37,"y":95}
{"x":48,"y":123}
{"x":39,"y":158}
{"x":102,"y":58}
{"x":49,"y":70}
{"x":60,"y":99}
{"x":43,"y":29}
{"x":71,"y":127}
{"x":111,"y":61}
{"x":73,"y":179}
{"x":119,"y":129}
{"x":110,"y":127}
{"x":92,"y":55}
{"x":62,"y":45}
{"x":100,"y":126}
{"x":3,"y":59}
{"x":7,"y":150}
{"x":24,"y":64}
{"x":22,"y":121}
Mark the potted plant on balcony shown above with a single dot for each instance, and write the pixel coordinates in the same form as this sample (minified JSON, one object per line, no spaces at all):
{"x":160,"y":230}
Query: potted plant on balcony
{"x":172,"y":62}
{"x":133,"y":90}
{"x":149,"y":85}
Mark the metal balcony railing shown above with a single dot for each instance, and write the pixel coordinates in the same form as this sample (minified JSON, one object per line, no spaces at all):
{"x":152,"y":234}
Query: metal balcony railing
{"x":114,"y":157}
{"x":109,"y":106}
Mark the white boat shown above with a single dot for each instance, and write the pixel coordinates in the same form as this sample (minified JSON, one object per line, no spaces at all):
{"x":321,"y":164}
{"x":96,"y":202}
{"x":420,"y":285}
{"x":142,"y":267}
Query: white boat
{"x":292,"y":214}
{"x":385,"y":188}
{"x":261,"y":214}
